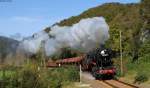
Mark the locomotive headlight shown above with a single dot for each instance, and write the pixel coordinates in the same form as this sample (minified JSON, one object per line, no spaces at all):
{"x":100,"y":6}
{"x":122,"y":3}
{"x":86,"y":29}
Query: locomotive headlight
{"x":103,"y":53}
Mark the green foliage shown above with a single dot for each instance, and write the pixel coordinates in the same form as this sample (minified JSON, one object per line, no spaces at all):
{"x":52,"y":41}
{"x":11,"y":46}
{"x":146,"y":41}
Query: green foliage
{"x":139,"y":70}
{"x":63,"y":74}
{"x":103,"y":10}
{"x":47,"y":29}
{"x":140,"y":78}
{"x":33,"y":76}
{"x":145,"y":12}
{"x":132,"y":69}
{"x":65,"y":53}
{"x":145,"y":48}
{"x":143,"y":62}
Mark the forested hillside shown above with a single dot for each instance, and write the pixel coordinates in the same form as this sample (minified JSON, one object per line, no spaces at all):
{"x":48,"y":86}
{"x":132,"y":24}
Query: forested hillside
{"x":7,"y":46}
{"x":131,"y":19}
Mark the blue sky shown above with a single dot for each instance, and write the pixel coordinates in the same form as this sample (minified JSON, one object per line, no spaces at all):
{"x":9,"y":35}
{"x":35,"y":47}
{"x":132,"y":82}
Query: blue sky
{"x":26,"y":17}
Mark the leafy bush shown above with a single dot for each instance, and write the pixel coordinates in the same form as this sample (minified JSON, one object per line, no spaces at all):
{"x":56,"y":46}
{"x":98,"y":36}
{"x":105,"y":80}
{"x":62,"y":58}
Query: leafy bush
{"x":27,"y":77}
{"x":33,"y":76}
{"x":140,"y":78}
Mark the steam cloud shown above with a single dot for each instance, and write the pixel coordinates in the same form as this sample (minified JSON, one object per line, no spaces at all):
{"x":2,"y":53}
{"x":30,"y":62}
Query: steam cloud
{"x":84,"y":36}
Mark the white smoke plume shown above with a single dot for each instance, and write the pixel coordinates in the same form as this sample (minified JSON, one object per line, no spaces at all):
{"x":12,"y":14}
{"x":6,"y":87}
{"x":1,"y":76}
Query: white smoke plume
{"x":31,"y":45}
{"x":84,"y":35}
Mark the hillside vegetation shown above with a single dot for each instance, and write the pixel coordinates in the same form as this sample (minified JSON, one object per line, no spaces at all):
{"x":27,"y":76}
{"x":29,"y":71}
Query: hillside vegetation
{"x":7,"y":46}
{"x":119,"y":17}
{"x":131,"y":19}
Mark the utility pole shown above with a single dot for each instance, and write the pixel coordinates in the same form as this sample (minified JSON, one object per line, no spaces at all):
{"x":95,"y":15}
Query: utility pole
{"x":121,"y":64}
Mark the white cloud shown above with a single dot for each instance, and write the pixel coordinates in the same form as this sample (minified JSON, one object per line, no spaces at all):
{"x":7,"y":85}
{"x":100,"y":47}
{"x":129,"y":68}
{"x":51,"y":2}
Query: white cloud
{"x":26,"y":19}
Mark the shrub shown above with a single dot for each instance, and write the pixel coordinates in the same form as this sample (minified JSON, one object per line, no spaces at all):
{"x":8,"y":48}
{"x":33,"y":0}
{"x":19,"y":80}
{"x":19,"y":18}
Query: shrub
{"x":140,"y":78}
{"x":31,"y":75}
{"x":28,"y":77}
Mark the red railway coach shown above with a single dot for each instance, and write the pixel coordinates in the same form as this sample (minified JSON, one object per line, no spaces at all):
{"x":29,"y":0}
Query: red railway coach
{"x":74,"y":60}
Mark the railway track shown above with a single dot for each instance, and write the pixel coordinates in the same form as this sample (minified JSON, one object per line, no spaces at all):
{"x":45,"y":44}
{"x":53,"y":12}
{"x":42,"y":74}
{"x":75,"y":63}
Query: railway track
{"x":88,"y":78}
{"x":118,"y":84}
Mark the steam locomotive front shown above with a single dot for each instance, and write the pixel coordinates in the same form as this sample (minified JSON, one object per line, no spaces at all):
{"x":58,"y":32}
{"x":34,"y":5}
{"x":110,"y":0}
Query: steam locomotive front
{"x":104,"y":64}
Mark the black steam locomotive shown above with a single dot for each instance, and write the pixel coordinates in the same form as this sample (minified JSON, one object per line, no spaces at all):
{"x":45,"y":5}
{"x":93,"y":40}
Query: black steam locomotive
{"x":100,"y":63}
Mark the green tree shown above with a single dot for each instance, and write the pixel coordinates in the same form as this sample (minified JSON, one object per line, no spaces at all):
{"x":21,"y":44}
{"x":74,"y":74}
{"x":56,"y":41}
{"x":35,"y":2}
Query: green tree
{"x":145,"y":12}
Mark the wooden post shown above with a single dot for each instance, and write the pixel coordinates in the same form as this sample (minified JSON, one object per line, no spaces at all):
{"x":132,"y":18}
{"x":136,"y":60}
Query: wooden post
{"x":43,"y":54}
{"x":80,"y":73}
{"x":44,"y":64}
{"x":121,"y":64}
